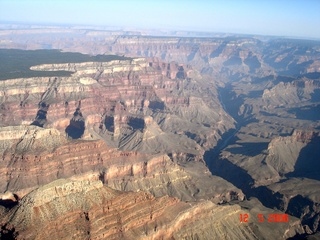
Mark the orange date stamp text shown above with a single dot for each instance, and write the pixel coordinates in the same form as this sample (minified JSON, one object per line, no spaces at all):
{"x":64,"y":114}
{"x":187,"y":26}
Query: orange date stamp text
{"x":272,"y":217}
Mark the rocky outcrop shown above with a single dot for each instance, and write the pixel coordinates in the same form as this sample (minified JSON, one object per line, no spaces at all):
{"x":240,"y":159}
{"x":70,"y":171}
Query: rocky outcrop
{"x":286,"y":154}
{"x":301,"y":199}
{"x":291,"y":92}
{"x":109,"y":121}
{"x":25,"y":139}
{"x":114,"y":100}
{"x":87,"y":209}
{"x":234,"y":101}
{"x":126,"y":171}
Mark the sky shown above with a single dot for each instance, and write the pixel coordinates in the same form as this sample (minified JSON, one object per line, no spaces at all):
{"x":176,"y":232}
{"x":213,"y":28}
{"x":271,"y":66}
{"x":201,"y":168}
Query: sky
{"x":293,"y":18}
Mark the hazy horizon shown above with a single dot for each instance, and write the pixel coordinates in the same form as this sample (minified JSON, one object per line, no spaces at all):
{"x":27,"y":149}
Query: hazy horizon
{"x":298,"y":18}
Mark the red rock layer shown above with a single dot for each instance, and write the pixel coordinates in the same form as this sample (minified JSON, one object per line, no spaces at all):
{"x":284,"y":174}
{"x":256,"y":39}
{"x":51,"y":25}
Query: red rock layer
{"x":86,"y":210}
{"x":122,"y":170}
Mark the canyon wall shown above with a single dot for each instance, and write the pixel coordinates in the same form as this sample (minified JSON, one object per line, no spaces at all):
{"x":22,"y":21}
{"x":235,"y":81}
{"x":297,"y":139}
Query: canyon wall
{"x":89,"y":210}
{"x":225,"y":119}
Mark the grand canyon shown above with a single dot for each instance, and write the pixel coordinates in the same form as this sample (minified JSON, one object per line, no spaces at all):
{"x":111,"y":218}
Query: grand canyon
{"x":110,"y":134}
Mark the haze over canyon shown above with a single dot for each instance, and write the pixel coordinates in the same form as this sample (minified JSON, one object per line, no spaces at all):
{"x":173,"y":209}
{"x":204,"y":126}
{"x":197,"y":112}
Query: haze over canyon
{"x":158,"y":135}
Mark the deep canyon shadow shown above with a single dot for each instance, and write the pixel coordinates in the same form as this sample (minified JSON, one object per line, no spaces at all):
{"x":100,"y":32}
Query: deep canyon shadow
{"x":41,"y":117}
{"x":308,"y":162}
{"x":76,"y":127}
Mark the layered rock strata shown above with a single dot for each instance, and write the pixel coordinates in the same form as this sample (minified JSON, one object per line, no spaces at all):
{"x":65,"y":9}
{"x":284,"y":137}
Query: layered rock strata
{"x":270,"y":87}
{"x":88,"y":210}
{"x":31,"y":161}
{"x":123,"y":102}
{"x":71,"y":126}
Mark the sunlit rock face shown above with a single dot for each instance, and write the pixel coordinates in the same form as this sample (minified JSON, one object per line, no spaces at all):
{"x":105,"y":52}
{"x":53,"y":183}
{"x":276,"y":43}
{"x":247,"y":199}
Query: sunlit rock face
{"x":87,"y":209}
{"x":113,"y":100}
{"x":152,"y":125}
{"x":129,"y":123}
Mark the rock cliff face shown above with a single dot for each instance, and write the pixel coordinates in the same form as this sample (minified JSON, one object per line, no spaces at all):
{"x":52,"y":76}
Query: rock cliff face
{"x":88,"y":210}
{"x":291,"y":93}
{"x":123,"y":102}
{"x":286,"y":153}
{"x":126,"y":171}
{"x":245,"y":107}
